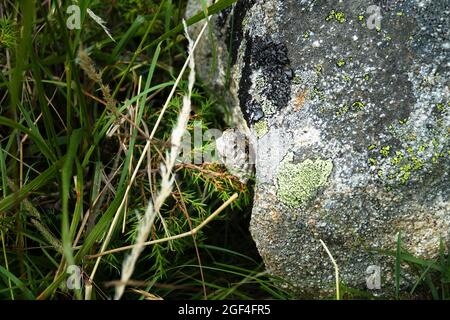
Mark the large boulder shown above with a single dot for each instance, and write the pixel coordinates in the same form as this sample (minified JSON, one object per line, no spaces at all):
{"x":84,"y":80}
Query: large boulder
{"x":350,"y":106}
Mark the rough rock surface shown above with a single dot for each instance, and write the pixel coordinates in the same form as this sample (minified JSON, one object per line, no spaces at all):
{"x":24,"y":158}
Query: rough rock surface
{"x":353,"y":129}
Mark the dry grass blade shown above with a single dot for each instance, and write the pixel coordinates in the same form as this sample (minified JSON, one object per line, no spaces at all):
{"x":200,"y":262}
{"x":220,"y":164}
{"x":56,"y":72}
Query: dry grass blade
{"x":336,"y":269}
{"x":167,"y":179}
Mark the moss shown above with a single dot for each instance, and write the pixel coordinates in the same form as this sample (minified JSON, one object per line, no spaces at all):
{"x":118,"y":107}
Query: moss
{"x":261,"y":128}
{"x":298,"y":183}
{"x":356,"y":106}
{"x":398,"y":158}
{"x":8,"y":35}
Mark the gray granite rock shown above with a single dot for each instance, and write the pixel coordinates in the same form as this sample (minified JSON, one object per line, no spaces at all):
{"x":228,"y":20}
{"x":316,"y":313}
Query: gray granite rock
{"x":352,"y":121}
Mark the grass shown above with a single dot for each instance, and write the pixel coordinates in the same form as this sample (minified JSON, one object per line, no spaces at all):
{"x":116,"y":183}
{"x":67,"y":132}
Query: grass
{"x":65,"y":174}
{"x":76,"y":112}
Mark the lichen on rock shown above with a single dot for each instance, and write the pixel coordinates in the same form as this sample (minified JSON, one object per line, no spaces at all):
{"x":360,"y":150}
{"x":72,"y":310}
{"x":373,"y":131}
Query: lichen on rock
{"x":298,"y":183}
{"x":363,"y":117}
{"x":261,"y":128}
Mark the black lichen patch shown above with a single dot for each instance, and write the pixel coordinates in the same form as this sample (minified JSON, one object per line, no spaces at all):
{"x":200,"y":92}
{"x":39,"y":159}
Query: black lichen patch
{"x":251,"y":110}
{"x":271,"y":58}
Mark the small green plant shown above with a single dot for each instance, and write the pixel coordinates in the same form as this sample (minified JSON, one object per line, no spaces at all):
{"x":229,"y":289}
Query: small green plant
{"x":8,"y":34}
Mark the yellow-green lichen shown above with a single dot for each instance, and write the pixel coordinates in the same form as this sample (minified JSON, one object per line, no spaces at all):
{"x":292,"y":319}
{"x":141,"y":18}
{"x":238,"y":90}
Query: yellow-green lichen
{"x":317,"y":92}
{"x":341,"y":63}
{"x":358,"y":106}
{"x":347,"y":78}
{"x":342,"y":110}
{"x":318,"y":68}
{"x":297,"y":80}
{"x":339,"y":16}
{"x":442,"y":108}
{"x":401,"y":166}
{"x":298,"y":183}
{"x":261,"y":128}
{"x":385,"y":151}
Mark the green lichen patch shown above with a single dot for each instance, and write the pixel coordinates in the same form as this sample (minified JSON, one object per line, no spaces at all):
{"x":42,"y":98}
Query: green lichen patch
{"x":261,"y":128}
{"x":298,"y":183}
{"x":355,"y":107}
{"x":442,"y":108}
{"x":339,"y":16}
{"x":317,"y":93}
{"x":358,"y":106}
{"x":400,"y":166}
{"x":340,"y":63}
{"x":385,"y":151}
{"x":318,"y":68}
{"x":342,"y":110}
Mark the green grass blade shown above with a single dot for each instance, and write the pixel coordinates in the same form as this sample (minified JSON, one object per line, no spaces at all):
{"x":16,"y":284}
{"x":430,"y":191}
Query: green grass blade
{"x":28,"y":294}
{"x":128,"y":35}
{"x":42,"y":145}
{"x":74,"y":143}
{"x":40,"y":181}
{"x":22,"y":52}
{"x":398,"y":261}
